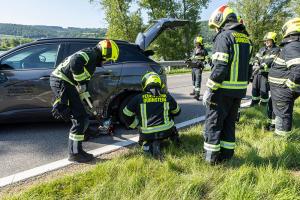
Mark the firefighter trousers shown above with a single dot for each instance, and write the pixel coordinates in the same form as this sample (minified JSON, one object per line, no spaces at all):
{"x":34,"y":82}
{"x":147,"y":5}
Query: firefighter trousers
{"x":260,"y":89}
{"x":80,"y":118}
{"x":283,"y":103}
{"x":196,"y":78}
{"x":219,"y":131}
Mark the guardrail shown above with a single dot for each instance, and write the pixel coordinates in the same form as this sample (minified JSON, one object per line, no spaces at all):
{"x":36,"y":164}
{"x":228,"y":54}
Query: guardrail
{"x":172,"y":63}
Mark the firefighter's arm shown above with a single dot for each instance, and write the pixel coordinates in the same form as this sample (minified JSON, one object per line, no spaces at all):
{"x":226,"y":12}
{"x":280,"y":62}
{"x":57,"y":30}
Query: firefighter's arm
{"x":78,"y":61}
{"x":129,"y":114}
{"x":268,"y":60}
{"x":220,"y":59}
{"x":292,"y":59}
{"x":175,"y":109}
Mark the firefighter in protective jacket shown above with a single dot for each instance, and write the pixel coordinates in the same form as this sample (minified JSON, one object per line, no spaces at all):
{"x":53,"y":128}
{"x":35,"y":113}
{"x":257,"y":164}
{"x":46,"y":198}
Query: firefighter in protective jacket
{"x":263,"y":61}
{"x":227,"y":84}
{"x":153,"y":112}
{"x":197,"y":63}
{"x":69,"y":83}
{"x":284,"y":77}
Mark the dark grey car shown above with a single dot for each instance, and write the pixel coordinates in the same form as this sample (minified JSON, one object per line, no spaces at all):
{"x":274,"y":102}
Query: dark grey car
{"x":25,"y":70}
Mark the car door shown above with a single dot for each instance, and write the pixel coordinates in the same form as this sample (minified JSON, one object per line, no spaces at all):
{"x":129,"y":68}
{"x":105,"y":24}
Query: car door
{"x":156,"y":28}
{"x":25,"y":79}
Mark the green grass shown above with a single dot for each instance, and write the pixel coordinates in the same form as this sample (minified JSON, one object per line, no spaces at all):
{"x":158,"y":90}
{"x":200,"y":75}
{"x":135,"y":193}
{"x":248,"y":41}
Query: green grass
{"x":262,"y":168}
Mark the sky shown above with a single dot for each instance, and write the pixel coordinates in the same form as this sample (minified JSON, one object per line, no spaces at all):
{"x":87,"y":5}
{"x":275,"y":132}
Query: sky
{"x":65,"y":13}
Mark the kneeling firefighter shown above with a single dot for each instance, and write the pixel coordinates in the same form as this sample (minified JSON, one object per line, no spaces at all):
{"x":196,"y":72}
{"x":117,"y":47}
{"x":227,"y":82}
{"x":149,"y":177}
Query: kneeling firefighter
{"x":284,"y":77}
{"x":153,"y":111}
{"x":69,"y":83}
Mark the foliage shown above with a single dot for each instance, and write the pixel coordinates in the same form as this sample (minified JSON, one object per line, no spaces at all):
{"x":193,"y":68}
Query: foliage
{"x":262,"y":16}
{"x":122,"y":24}
{"x":264,"y":167}
{"x":36,"y":32}
{"x":173,"y":45}
{"x":8,"y":43}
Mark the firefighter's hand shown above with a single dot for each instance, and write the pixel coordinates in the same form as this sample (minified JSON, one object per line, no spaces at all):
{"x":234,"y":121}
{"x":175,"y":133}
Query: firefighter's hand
{"x":207,"y":97}
{"x":187,"y":61}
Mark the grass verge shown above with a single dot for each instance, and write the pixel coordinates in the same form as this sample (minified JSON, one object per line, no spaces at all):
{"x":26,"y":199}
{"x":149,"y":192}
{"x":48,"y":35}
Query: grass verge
{"x":264,"y":167}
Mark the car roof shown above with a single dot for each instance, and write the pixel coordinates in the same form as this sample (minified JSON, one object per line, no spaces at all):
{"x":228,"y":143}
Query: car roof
{"x":75,"y":40}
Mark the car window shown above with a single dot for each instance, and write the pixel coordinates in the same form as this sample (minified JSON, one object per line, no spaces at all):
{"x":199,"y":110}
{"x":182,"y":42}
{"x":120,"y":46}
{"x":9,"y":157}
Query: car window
{"x":129,"y":53}
{"x":39,"y":56}
{"x":78,"y":46}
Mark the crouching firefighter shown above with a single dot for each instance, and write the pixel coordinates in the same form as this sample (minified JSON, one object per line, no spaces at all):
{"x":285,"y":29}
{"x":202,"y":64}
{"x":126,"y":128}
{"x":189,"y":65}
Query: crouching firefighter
{"x":153,"y":112}
{"x":69,"y":83}
{"x":227,"y":84}
{"x":284,"y":77}
{"x":197,"y":63}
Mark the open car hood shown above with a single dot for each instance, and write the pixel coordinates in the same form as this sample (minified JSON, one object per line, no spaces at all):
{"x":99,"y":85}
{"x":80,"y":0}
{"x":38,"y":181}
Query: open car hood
{"x":156,"y":28}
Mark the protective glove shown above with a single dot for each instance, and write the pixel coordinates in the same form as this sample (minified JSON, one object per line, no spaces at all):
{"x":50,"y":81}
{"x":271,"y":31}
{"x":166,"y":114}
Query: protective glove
{"x":207,"y":97}
{"x":86,"y":97}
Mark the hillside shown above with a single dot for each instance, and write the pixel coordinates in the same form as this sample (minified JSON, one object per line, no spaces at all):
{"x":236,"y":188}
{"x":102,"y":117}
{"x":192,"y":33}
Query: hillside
{"x":40,"y":31}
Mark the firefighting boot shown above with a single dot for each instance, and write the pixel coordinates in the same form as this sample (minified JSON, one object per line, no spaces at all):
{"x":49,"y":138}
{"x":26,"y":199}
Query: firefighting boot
{"x":270,"y":127}
{"x":254,"y":103}
{"x":175,"y":138}
{"x":156,"y":150}
{"x":197,"y":96}
{"x":192,"y":93}
{"x":77,"y":154}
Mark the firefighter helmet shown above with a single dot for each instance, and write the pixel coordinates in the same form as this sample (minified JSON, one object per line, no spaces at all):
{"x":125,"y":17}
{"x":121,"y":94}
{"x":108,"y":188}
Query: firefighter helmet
{"x":291,"y":27}
{"x":270,"y":36}
{"x":220,"y":15}
{"x":199,"y":40}
{"x":151,"y":79}
{"x":109,"y":49}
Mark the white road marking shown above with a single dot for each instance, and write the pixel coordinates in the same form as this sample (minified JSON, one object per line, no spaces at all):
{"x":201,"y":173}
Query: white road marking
{"x":96,"y":152}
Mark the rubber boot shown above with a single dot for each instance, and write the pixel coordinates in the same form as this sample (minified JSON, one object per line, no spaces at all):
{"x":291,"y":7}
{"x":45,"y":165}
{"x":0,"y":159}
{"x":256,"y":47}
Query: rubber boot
{"x":192,"y":93}
{"x":77,"y":154}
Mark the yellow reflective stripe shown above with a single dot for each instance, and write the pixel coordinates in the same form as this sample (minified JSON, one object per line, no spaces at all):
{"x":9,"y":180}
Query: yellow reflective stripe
{"x":144,"y":115}
{"x":80,"y":77}
{"x":295,"y":61}
{"x":282,"y":133}
{"x":85,"y":56}
{"x":265,"y":66}
{"x":176,"y":110}
{"x":234,"y":71}
{"x":158,"y":128}
{"x":269,"y":56}
{"x":75,"y":137}
{"x":87,"y":73}
{"x":61,"y":75}
{"x":279,"y":61}
{"x":264,"y":100}
{"x":292,"y":84}
{"x":56,"y":101}
{"x":256,"y":98}
{"x":277,"y":80}
{"x":127,"y":112}
{"x":198,"y":57}
{"x":220,"y":56}
{"x":234,"y":85}
{"x":213,"y":85}
{"x":134,"y":123}
{"x":227,"y":145}
{"x":212,"y":147}
{"x":166,"y":112}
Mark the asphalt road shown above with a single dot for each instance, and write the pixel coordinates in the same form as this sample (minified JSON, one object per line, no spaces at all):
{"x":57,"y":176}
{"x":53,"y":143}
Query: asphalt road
{"x":25,"y":146}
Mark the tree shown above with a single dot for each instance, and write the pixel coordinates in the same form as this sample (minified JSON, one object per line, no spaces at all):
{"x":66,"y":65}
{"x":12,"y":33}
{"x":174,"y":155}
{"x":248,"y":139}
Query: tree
{"x":262,"y":16}
{"x":122,"y":24}
{"x":175,"y":44}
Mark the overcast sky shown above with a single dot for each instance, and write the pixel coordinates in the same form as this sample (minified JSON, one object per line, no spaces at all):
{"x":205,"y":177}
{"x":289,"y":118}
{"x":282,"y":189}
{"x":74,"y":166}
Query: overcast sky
{"x":65,"y":13}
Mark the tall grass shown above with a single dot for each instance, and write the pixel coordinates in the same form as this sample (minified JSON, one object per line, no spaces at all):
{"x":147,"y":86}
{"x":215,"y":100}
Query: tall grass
{"x":261,"y":169}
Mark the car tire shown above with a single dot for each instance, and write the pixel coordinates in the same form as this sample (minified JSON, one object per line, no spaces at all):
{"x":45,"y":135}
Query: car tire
{"x":122,"y":106}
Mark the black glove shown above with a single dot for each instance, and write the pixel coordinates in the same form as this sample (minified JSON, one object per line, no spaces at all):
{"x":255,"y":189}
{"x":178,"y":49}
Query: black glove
{"x":61,"y":111}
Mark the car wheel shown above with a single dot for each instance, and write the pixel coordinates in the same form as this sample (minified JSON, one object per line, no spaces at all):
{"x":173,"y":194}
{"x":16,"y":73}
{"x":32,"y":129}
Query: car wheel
{"x":122,"y":106}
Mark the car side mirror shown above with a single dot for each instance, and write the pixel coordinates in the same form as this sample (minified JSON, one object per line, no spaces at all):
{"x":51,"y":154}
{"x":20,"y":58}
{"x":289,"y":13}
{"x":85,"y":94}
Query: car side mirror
{"x":149,"y":53}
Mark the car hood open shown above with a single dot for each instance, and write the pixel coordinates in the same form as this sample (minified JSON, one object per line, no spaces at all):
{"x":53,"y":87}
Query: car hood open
{"x":155,"y":29}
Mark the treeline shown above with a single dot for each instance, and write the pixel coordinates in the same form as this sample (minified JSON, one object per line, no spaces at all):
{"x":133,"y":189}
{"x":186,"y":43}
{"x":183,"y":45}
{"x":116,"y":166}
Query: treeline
{"x":36,"y":32}
{"x":8,"y":43}
{"x":260,"y":17}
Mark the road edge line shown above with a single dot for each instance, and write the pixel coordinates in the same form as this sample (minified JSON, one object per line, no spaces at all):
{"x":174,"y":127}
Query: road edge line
{"x":21,"y":176}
